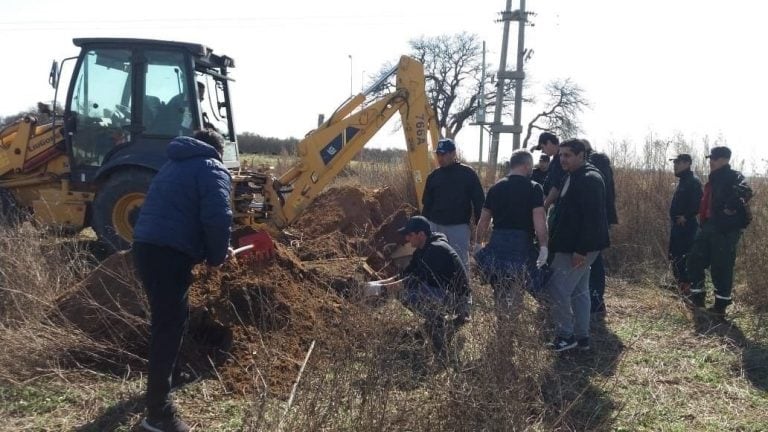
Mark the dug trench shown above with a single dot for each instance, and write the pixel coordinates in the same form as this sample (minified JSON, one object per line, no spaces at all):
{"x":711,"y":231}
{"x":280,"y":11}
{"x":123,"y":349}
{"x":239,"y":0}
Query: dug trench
{"x":250,"y":324}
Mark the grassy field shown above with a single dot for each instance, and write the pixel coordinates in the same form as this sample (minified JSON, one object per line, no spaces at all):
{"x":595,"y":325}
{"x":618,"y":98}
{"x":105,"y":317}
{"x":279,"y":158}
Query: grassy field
{"x":655,"y":365}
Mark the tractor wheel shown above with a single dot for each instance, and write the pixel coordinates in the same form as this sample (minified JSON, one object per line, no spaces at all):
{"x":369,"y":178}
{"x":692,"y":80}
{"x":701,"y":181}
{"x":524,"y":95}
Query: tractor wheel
{"x":11,"y":215}
{"x":117,"y":205}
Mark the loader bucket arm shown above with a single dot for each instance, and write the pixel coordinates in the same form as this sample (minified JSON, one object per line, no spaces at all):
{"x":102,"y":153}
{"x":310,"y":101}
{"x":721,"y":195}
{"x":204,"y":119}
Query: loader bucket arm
{"x":324,"y":152}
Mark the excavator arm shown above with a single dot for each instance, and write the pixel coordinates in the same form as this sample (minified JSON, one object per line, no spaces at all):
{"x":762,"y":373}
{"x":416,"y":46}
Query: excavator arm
{"x":325,"y":151}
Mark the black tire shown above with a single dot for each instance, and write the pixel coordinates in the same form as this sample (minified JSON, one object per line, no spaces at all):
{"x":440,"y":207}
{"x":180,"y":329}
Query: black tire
{"x":11,"y":215}
{"x":117,"y":205}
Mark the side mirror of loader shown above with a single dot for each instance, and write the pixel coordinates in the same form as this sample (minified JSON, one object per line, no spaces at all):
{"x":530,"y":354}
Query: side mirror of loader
{"x":53,"y":77}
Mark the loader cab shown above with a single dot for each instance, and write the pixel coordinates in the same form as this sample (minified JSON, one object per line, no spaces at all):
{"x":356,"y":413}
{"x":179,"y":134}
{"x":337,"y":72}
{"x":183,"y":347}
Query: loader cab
{"x":129,"y":97}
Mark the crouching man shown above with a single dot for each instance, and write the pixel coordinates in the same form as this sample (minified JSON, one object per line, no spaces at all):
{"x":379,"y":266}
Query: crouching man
{"x":434,"y":285}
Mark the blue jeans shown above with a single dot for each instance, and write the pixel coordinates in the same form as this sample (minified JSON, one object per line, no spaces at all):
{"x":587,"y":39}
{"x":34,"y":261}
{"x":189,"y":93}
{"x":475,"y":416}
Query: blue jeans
{"x":432,"y":303}
{"x":507,"y":260}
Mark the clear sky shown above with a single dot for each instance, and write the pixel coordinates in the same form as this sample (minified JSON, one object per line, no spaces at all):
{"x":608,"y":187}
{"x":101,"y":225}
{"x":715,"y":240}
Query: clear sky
{"x":660,"y":67}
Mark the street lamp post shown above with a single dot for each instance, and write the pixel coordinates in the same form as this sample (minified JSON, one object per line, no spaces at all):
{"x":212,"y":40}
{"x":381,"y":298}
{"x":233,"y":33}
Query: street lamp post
{"x":350,"y":74}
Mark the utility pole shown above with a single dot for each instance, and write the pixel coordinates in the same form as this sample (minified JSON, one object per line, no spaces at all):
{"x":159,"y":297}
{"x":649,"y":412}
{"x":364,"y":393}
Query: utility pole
{"x":517,"y":127}
{"x":481,"y":109}
{"x":497,"y":127}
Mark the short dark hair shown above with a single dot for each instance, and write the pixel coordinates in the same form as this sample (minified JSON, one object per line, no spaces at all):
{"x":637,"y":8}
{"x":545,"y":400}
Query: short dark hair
{"x":210,"y":137}
{"x":548,"y":136}
{"x":520,"y":157}
{"x":576,"y":145}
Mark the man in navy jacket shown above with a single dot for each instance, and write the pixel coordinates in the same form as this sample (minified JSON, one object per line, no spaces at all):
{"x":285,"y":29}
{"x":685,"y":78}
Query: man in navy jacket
{"x":185,"y":219}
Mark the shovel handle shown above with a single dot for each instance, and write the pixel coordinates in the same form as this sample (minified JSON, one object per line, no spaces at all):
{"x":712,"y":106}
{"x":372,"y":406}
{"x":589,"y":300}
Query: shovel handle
{"x":242,"y":249}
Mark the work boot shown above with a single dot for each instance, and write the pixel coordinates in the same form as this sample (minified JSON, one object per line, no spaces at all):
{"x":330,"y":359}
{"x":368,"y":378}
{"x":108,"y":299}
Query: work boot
{"x":172,"y":424}
{"x":718,"y":309}
{"x":696,"y":299}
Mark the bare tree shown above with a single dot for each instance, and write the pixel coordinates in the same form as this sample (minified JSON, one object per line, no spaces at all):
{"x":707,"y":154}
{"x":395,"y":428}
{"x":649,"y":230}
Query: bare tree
{"x":565,"y":101}
{"x":453,"y":69}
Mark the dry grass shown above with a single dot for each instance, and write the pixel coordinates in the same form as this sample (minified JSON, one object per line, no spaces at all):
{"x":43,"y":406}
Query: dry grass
{"x":653,"y":366}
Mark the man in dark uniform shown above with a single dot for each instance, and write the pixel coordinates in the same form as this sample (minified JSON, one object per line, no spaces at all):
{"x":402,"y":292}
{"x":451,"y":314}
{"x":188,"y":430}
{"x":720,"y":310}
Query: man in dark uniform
{"x":434,"y":285}
{"x":539,"y":174}
{"x":723,"y":214}
{"x":509,"y":260}
{"x":452,"y":195}
{"x":602,"y":162}
{"x":682,"y":213}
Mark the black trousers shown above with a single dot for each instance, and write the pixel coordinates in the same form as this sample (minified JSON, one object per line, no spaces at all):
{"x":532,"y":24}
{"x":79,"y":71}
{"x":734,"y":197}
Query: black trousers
{"x":680,"y":242}
{"x":166,"y":275}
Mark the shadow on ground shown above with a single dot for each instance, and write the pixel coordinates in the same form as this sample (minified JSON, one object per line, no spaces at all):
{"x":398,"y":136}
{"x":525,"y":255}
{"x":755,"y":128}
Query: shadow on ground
{"x":573,"y":397}
{"x":754,"y":355}
{"x":117,"y":415}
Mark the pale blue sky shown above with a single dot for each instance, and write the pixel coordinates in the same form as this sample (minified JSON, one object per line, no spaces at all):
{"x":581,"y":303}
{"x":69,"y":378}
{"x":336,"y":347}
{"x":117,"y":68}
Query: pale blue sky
{"x":693,"y":67}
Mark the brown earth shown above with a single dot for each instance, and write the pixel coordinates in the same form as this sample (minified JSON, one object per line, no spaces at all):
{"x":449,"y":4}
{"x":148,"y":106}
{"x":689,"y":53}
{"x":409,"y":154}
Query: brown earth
{"x":255,"y":322}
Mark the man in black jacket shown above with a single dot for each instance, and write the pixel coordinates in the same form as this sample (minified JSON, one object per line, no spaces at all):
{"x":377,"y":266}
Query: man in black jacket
{"x":549,"y":144}
{"x":723,"y":214}
{"x":539,"y":174}
{"x":433,"y":285}
{"x":577,"y":235}
{"x":452,"y":195}
{"x":597,"y":272}
{"x":682,"y":213}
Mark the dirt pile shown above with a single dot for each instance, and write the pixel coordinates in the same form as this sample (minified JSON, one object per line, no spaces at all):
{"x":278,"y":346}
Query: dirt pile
{"x":254,"y":323}
{"x":349,"y":210}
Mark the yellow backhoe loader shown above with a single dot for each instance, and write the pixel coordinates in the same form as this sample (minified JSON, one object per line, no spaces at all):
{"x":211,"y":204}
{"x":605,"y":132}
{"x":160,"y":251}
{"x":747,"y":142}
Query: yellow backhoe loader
{"x":92,"y":165}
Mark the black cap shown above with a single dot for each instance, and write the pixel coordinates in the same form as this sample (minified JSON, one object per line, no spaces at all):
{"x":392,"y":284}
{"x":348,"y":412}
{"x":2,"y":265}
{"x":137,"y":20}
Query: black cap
{"x":544,"y":158}
{"x":683,"y":157}
{"x":445,"y":145}
{"x":416,"y":224}
{"x":544,"y":137}
{"x":719,"y":152}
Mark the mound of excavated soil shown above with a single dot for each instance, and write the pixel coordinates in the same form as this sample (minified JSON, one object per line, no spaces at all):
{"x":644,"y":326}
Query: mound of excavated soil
{"x":255,"y":322}
{"x":349,"y":210}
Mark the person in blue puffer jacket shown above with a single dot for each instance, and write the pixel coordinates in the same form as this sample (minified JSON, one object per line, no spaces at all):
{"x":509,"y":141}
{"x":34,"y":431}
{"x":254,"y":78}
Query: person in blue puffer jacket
{"x":186,"y":219}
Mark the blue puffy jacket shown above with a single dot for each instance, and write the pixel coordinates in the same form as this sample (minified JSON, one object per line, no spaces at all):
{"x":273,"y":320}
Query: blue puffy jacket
{"x":188,"y":205}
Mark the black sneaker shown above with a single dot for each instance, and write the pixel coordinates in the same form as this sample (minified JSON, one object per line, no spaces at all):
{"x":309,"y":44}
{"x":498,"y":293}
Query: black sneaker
{"x":583,"y":344}
{"x":562,"y":344}
{"x":168,"y":424}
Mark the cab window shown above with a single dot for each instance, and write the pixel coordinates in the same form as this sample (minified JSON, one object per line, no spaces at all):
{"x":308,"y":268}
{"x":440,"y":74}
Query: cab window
{"x":101,"y":104}
{"x":167,"y":98}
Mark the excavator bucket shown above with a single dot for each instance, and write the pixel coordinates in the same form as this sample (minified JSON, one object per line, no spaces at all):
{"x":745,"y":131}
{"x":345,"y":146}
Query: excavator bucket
{"x":253,"y":245}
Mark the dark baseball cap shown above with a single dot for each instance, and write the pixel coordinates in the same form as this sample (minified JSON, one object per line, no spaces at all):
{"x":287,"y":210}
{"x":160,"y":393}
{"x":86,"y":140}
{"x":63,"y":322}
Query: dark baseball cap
{"x":544,"y":158}
{"x":683,"y":157}
{"x":544,"y":137}
{"x":416,"y":224}
{"x":719,"y":152}
{"x":445,"y":145}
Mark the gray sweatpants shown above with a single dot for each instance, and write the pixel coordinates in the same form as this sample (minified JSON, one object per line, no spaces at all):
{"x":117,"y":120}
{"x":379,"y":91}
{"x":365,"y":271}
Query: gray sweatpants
{"x":568,"y":290}
{"x":458,"y":238}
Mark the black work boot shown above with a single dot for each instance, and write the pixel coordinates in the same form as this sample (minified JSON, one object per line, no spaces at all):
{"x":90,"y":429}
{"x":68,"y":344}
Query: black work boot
{"x":696,"y":299}
{"x":166,"y":420}
{"x":718,"y":309}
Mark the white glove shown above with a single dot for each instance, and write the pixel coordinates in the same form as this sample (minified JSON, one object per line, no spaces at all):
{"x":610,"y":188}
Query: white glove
{"x":543,"y":255}
{"x":372,"y":289}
